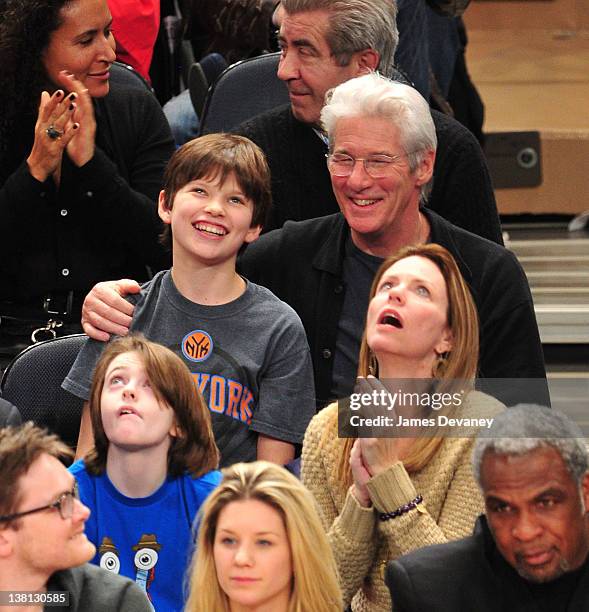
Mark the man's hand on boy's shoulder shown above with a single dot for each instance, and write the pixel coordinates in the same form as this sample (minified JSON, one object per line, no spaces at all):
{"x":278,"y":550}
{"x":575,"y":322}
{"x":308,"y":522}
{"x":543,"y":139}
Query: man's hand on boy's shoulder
{"x":106,"y":311}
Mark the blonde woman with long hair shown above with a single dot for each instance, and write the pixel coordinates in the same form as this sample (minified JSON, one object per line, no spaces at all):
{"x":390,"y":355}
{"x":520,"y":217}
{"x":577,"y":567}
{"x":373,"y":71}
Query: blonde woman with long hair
{"x":261,"y":547}
{"x":381,"y":498}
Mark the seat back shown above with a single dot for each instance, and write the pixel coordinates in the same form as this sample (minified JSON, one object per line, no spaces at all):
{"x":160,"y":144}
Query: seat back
{"x":32,"y":382}
{"x":202,"y":74}
{"x":123,"y":74}
{"x":242,"y":91}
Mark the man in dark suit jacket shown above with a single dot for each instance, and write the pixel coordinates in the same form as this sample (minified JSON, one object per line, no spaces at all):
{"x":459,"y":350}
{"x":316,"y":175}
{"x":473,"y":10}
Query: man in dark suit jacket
{"x":531,"y":551}
{"x":9,"y":415}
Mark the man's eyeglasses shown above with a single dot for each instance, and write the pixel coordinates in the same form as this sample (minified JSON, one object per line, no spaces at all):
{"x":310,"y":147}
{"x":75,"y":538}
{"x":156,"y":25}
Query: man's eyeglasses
{"x":65,"y":505}
{"x":377,"y":166}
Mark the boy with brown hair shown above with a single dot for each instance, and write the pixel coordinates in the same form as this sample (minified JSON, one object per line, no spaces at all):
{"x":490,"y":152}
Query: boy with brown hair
{"x":247,"y":350}
{"x":152,"y":466}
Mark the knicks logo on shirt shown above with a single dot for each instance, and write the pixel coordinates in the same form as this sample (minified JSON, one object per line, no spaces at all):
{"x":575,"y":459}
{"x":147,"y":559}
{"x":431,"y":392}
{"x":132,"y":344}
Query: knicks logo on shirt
{"x":197,"y":345}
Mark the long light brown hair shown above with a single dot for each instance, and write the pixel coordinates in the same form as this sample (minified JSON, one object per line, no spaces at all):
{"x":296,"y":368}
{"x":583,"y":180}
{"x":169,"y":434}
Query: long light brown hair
{"x":194,"y":449}
{"x":460,"y":363}
{"x":315,"y":585}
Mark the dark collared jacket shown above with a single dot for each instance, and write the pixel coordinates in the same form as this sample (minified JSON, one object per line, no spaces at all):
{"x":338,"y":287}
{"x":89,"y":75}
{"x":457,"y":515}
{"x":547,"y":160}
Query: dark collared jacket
{"x":302,"y":264}
{"x":471,"y":575}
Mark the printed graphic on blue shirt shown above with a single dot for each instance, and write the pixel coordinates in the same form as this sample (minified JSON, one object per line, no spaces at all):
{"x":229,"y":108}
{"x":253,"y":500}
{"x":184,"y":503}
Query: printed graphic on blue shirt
{"x":145,"y":559}
{"x":150,"y":539}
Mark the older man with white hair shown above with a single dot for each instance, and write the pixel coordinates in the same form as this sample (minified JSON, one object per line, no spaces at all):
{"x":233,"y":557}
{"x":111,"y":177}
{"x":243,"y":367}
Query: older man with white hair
{"x":381,"y":158}
{"x":531,"y":549}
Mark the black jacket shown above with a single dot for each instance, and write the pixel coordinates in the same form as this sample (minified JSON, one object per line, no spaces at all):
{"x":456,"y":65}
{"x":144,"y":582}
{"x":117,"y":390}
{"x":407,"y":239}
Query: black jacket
{"x":102,"y":222}
{"x":470,"y":575}
{"x":302,"y":264}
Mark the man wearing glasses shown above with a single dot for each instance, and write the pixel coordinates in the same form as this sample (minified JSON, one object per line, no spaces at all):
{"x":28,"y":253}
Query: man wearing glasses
{"x":381,"y":158}
{"x":43,"y":548}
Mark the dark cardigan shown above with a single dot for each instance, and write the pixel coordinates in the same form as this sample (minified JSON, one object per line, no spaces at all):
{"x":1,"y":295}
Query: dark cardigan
{"x":102,"y":222}
{"x":302,"y":264}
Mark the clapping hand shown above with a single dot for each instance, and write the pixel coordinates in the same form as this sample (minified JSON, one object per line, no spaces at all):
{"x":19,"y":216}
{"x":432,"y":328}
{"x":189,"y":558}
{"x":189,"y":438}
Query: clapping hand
{"x":80,"y":148}
{"x":54,"y":130}
{"x":361,"y":476}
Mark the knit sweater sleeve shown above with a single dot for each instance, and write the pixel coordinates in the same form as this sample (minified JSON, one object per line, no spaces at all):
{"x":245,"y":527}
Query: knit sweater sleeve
{"x":418,"y":528}
{"x":350,"y":530}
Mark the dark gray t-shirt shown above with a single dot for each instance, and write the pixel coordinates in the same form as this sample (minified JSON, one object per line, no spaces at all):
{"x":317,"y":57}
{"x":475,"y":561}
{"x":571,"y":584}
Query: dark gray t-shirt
{"x":249,"y":358}
{"x":93,"y":589}
{"x":358,"y":273}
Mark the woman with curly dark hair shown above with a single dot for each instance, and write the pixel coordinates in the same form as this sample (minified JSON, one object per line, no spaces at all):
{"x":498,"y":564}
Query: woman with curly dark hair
{"x":81,"y":164}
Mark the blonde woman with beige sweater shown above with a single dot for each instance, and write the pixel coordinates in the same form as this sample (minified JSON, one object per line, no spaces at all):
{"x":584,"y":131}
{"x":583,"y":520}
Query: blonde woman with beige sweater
{"x":381,"y":498}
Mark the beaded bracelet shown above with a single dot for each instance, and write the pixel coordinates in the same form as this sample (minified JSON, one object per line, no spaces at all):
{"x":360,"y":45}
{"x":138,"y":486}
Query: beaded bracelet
{"x":385,"y":516}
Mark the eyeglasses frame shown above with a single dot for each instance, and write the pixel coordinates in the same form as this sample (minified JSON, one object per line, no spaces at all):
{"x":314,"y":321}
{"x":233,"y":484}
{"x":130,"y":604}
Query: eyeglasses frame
{"x":56,"y":504}
{"x":393,"y":160}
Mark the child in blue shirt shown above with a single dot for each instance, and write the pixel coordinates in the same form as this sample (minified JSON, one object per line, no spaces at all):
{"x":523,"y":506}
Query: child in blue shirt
{"x":152,"y":466}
